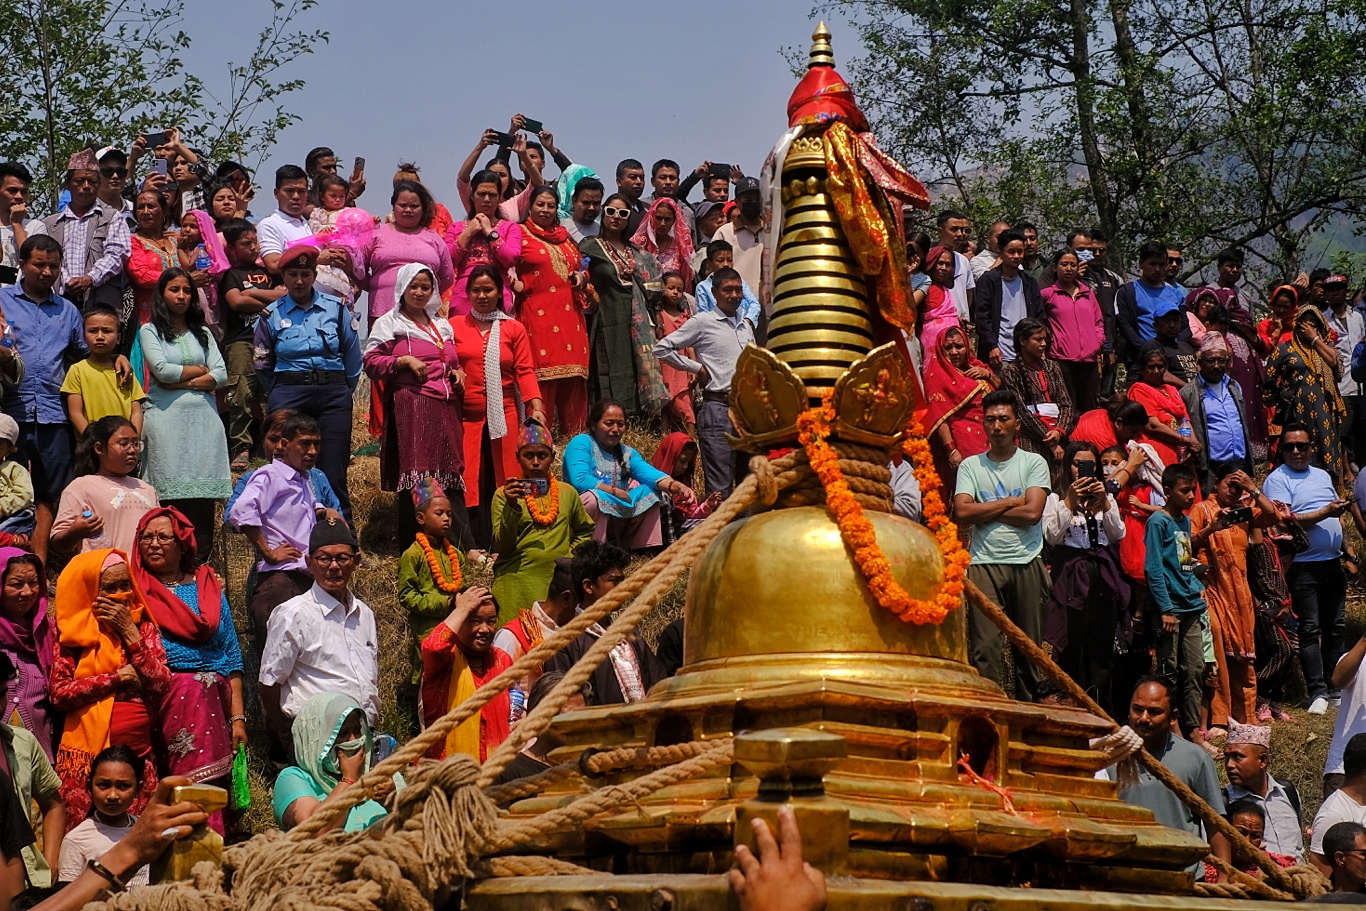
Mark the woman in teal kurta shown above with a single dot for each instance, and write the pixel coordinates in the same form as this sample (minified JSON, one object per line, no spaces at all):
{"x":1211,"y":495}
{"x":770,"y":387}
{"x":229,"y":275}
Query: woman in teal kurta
{"x":318,"y":749}
{"x":531,"y":531}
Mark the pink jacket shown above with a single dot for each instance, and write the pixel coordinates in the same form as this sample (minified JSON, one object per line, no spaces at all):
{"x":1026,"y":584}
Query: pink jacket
{"x":1076,"y":324}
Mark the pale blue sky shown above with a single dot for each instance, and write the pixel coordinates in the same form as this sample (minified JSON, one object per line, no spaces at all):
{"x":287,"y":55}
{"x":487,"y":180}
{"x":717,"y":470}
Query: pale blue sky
{"x":610,"y":78}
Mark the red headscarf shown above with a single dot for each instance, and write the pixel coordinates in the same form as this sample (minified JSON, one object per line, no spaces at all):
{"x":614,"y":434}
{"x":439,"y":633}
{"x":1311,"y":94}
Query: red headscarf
{"x":171,"y":614}
{"x":932,"y":258}
{"x":677,"y":256}
{"x":949,"y":390}
{"x":668,"y":451}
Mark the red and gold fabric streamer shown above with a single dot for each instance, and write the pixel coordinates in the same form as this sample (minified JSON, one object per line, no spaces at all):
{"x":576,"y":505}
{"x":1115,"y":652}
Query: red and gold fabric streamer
{"x":858,"y":532}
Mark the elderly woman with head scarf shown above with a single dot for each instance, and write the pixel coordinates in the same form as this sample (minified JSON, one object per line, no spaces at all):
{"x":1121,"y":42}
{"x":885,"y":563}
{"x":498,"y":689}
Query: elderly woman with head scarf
{"x":332,"y":747}
{"x":955,"y":383}
{"x":203,"y":720}
{"x":938,"y":313}
{"x":109,"y":673}
{"x":1302,"y":388}
{"x":412,"y":351}
{"x":26,"y":636}
{"x":551,"y":305}
{"x":665,"y":234}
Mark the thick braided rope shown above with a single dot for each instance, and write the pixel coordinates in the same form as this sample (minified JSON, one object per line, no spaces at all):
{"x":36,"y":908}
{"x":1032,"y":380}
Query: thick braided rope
{"x":1239,"y":884}
{"x":612,"y":797}
{"x":598,"y":763}
{"x":529,"y":865}
{"x":1300,"y":885}
{"x":419,"y":746}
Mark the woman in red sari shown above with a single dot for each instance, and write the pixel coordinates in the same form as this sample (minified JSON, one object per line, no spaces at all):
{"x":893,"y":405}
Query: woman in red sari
{"x":458,"y":657}
{"x":1279,"y":327}
{"x":1167,"y":414}
{"x":665,"y":234}
{"x":551,"y":306}
{"x":938,"y":312}
{"x":955,"y":382}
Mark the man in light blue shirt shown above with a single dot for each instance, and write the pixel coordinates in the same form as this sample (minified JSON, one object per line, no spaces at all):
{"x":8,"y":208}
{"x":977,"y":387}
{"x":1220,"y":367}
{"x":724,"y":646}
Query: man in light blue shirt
{"x":716,"y":339}
{"x":1216,"y":403}
{"x":1317,"y":583}
{"x":721,"y":255}
{"x":1000,"y":496}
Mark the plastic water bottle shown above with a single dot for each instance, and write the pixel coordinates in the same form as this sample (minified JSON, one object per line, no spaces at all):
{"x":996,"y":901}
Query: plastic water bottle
{"x":201,"y":258}
{"x":518,"y":704}
{"x":1185,"y":428}
{"x":7,"y":340}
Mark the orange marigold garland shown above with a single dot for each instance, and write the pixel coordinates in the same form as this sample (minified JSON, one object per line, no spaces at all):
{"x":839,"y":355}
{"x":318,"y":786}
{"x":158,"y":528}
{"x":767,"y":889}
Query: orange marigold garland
{"x":552,"y":511}
{"x":857,"y":531}
{"x":449,"y":586}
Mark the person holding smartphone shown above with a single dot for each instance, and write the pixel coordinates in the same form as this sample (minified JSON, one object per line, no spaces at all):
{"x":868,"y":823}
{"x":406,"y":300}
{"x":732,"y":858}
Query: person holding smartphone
{"x":1223,"y":527}
{"x":1082,"y":522}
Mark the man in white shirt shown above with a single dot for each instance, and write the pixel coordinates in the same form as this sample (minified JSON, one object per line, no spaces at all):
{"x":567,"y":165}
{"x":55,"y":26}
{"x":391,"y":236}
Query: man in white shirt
{"x":747,"y":236}
{"x":991,"y":254}
{"x":955,"y":232}
{"x":716,"y":338}
{"x":15,"y":224}
{"x":1346,"y":804}
{"x":323,"y":641}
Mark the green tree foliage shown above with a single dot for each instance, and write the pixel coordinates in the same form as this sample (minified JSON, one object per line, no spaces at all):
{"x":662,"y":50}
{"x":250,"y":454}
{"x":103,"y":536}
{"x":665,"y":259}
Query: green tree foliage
{"x":80,"y":72}
{"x":1205,"y":122}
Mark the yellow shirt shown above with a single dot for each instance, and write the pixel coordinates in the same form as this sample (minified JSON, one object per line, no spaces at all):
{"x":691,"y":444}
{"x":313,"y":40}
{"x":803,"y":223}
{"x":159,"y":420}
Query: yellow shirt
{"x":99,"y":390}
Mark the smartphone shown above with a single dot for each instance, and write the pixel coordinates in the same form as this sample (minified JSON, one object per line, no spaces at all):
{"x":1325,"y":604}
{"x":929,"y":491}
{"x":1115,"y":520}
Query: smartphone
{"x":9,"y":275}
{"x":504,"y":139}
{"x":719,"y":170}
{"x":359,"y":166}
{"x":1088,"y":469}
{"x":533,"y":126}
{"x":538,"y":486}
{"x":1239,"y":514}
{"x":159,"y":167}
{"x":385,"y":744}
{"x":157,"y":139}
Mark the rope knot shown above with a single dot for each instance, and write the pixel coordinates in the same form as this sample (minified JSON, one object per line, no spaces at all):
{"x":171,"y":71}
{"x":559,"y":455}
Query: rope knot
{"x":766,"y":480}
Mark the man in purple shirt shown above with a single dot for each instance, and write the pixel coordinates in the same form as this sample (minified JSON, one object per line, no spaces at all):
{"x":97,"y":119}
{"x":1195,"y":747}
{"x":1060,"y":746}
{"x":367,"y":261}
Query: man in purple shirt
{"x":277,"y":512}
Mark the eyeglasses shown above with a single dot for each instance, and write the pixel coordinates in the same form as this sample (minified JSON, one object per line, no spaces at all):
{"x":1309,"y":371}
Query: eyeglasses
{"x":615,"y":212}
{"x":1176,"y":259}
{"x":114,"y":172}
{"x":163,"y":540}
{"x":335,"y":559}
{"x":1294,"y":447}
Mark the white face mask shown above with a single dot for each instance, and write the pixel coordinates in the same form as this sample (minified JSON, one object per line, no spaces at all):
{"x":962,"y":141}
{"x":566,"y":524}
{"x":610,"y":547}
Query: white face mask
{"x":351,"y":747}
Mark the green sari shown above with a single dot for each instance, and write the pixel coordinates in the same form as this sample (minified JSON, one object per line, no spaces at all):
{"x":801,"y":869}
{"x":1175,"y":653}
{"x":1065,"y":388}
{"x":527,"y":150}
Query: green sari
{"x":621,"y":335}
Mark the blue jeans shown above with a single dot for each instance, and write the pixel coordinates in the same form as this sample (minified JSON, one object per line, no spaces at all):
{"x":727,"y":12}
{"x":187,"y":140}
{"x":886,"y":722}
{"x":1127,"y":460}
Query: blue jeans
{"x":1318,"y":591}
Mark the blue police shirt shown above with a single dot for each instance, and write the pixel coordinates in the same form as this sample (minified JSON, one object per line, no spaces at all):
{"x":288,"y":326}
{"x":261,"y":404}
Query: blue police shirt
{"x":293,"y":337}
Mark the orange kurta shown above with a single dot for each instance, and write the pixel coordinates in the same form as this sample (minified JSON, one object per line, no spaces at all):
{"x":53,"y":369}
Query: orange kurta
{"x":518,"y":378}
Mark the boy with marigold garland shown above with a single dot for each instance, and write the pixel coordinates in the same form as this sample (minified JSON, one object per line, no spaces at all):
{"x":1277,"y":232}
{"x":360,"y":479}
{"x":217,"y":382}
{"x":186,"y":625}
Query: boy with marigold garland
{"x":530,"y":527}
{"x":431,"y":571}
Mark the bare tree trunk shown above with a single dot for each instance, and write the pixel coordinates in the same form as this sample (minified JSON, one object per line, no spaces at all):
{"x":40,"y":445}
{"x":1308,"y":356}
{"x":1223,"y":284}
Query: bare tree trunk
{"x":1140,"y":122}
{"x":1099,"y":181}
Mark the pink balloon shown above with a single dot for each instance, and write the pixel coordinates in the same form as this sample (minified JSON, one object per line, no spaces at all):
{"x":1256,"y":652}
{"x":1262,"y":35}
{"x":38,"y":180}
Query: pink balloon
{"x":355,"y":227}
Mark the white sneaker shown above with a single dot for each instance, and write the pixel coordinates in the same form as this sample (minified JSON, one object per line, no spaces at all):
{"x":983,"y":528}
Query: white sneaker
{"x":1335,"y":702}
{"x":1319,"y":706}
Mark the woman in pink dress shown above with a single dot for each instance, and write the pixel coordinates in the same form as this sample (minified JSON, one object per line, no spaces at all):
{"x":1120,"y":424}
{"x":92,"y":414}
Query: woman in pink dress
{"x":939,"y":314}
{"x":406,"y":240}
{"x":485,"y":238}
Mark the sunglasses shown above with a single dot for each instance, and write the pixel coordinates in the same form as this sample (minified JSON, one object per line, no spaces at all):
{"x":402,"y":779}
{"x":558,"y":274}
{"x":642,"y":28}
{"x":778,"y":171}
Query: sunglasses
{"x":114,"y":172}
{"x":1176,"y":259}
{"x":1294,"y":447}
{"x":615,"y":212}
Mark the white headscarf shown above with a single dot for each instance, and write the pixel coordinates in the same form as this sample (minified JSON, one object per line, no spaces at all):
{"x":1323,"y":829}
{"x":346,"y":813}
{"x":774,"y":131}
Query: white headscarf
{"x":394,"y":325}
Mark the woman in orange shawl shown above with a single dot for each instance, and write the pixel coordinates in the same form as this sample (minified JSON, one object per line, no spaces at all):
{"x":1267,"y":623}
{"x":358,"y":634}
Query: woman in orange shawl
{"x":108,"y":675}
{"x":458,"y":657}
{"x":1222,"y":546}
{"x":955,"y":382}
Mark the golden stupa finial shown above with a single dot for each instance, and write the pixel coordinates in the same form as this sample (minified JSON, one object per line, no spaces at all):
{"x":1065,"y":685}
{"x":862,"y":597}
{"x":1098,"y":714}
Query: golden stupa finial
{"x":822,"y":54}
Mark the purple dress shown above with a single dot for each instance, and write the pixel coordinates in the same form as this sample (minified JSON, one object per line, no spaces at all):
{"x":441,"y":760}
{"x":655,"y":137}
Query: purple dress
{"x":390,"y":250}
{"x":28,"y":641}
